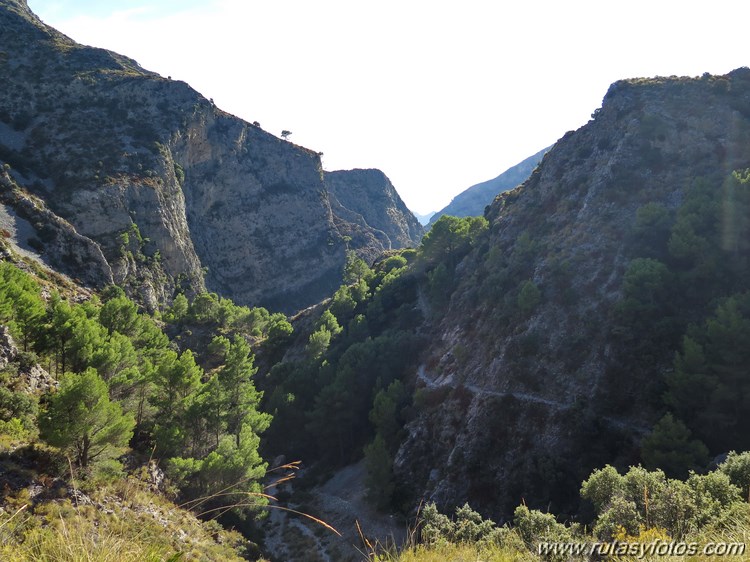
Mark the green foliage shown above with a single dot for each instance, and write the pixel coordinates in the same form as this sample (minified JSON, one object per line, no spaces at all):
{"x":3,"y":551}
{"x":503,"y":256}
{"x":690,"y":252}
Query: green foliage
{"x":379,"y":480}
{"x":343,"y":303}
{"x":14,"y":430}
{"x":279,"y":331}
{"x":619,"y":514}
{"x":450,"y":238}
{"x":204,"y":309}
{"x":638,"y":506}
{"x":737,"y":467}
{"x":387,"y":413}
{"x":318,"y":343}
{"x":21,"y":307}
{"x":670,"y":447}
{"x":227,"y":478}
{"x":641,"y":498}
{"x":81,"y":419}
{"x":177,"y":380}
{"x":709,"y":388}
{"x":178,"y":311}
{"x":179,"y":173}
{"x":339,"y":417}
{"x":646,"y":283}
{"x":219,"y":347}
{"x":119,"y":314}
{"x":328,"y":321}
{"x":358,"y":329}
{"x":529,"y":297}
{"x":393,"y":262}
{"x":356,"y":269}
{"x":535,"y":527}
{"x":321,"y":401}
{"x":388,"y":420}
{"x":468,"y":527}
{"x":242,"y":398}
{"x":440,"y":285}
{"x":603,"y":485}
{"x":17,"y":409}
{"x":647,"y":307}
{"x":686,"y":292}
{"x":651,"y":231}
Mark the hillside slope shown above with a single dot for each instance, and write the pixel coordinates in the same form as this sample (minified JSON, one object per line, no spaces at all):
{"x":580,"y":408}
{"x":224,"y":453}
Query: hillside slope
{"x":172,"y":189}
{"x":552,"y":355}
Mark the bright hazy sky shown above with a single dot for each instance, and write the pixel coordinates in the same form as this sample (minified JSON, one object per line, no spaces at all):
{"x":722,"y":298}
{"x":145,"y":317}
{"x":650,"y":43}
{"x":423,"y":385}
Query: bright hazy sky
{"x":439,"y":95}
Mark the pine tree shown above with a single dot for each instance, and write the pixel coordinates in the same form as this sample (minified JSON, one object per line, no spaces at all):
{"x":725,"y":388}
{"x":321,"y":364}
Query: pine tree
{"x":242,"y":399}
{"x":379,"y":479}
{"x":81,"y":419}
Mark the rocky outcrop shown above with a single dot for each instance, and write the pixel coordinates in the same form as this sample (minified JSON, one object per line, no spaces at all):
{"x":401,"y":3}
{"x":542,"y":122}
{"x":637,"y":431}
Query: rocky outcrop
{"x":33,"y":379}
{"x":8,"y":349}
{"x":472,"y":201}
{"x":527,"y":385}
{"x":370,"y":195}
{"x":53,"y":240}
{"x":174,"y":191}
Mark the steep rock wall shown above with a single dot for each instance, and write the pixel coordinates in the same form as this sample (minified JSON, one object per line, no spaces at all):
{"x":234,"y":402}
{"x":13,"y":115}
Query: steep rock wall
{"x":528,"y":383}
{"x":175,"y":192}
{"x":371,"y":195}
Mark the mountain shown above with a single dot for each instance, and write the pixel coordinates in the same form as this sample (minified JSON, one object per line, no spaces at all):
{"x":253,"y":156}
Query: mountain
{"x":598,"y":313}
{"x":374,"y":204}
{"x":472,"y":201}
{"x":555,"y":352}
{"x":169,"y":189}
{"x":424,"y":220}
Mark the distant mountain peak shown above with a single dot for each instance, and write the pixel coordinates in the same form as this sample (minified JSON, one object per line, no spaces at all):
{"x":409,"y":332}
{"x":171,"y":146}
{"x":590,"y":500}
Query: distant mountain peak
{"x":472,"y":201}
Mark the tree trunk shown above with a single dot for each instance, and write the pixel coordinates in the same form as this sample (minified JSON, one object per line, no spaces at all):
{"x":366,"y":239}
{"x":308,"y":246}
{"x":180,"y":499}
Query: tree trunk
{"x":85,"y":450}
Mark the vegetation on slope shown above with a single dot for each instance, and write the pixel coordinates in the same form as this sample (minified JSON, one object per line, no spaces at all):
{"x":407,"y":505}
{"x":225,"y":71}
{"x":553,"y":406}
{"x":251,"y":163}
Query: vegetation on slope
{"x":117,"y":383}
{"x":687,"y":292}
{"x":340,"y":390}
{"x":637,"y":509}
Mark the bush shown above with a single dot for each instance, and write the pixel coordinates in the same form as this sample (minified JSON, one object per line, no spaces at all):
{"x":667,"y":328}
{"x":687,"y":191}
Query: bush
{"x":647,"y":498}
{"x":535,"y":527}
{"x":468,"y":527}
{"x":737,"y":468}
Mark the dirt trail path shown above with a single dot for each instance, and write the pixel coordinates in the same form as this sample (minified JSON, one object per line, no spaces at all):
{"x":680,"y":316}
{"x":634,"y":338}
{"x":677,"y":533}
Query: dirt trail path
{"x":619,"y":423}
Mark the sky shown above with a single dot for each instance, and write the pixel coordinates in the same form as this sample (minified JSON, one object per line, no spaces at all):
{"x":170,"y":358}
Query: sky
{"x":440,"y":95}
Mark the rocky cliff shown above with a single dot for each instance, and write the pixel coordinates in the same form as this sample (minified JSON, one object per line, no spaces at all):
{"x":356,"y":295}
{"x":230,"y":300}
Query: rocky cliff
{"x":172,"y":190}
{"x":371,"y":195}
{"x":529,"y":381}
{"x":472,"y":201}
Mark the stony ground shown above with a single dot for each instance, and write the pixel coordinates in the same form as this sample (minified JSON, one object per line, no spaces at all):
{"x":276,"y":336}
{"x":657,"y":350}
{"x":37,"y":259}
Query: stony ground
{"x":340,"y":502}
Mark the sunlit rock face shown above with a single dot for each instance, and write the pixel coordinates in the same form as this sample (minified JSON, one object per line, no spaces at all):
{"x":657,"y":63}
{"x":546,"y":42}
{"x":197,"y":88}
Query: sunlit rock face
{"x":174,"y":191}
{"x":529,"y":383}
{"x":371,"y":196}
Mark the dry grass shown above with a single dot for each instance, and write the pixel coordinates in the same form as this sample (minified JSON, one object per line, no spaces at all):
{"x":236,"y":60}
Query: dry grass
{"x":126,"y":523}
{"x":81,"y":541}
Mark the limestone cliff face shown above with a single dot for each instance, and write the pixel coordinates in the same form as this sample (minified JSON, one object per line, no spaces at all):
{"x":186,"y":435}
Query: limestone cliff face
{"x":258,"y":213}
{"x":525,"y":386}
{"x":173,"y":190}
{"x":371,"y":195}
